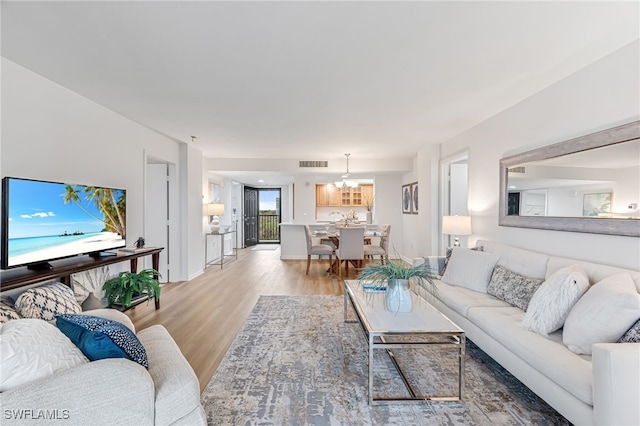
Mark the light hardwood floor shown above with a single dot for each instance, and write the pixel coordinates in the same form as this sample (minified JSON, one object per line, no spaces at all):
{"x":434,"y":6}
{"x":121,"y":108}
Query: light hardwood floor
{"x":205,"y":314}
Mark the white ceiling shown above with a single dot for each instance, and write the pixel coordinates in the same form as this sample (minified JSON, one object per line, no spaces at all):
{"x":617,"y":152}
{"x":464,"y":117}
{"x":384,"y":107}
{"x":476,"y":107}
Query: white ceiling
{"x":311,"y":80}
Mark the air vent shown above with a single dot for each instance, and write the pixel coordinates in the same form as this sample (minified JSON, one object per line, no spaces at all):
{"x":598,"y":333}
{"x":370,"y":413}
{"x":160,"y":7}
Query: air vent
{"x":313,"y":164}
{"x":519,"y":169}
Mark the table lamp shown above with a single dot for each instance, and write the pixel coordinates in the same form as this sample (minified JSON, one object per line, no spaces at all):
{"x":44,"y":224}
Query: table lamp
{"x":215,"y":210}
{"x":456,"y":225}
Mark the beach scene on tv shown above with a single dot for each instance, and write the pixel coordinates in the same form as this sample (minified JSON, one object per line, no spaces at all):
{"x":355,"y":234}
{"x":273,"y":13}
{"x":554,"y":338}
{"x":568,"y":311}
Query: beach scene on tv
{"x":50,"y":220}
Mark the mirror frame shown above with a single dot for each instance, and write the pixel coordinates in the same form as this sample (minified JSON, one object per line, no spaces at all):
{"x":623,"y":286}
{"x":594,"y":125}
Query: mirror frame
{"x":615,"y":135}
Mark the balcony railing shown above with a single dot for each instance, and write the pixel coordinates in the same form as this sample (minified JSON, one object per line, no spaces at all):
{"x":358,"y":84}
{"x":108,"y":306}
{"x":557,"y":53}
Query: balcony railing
{"x":268,"y":227}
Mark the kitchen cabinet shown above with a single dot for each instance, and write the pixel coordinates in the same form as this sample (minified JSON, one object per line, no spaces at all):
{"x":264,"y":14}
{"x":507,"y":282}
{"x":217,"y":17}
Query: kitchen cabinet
{"x":327,"y":195}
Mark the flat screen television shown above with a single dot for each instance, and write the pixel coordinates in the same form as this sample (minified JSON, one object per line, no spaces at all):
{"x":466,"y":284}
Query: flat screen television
{"x":44,"y":221}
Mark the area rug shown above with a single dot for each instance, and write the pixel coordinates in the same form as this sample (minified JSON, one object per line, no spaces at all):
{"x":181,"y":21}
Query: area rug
{"x":296,"y":362}
{"x":266,"y":247}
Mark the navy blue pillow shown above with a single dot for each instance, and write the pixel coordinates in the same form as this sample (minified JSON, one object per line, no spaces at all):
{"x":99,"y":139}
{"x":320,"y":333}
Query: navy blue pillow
{"x":100,"y":338}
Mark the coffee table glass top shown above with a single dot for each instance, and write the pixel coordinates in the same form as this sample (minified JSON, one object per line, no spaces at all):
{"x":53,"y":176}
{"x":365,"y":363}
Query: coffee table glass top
{"x":423,"y":318}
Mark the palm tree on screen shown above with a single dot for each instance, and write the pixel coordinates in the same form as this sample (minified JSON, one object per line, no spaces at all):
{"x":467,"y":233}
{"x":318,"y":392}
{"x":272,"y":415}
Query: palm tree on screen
{"x":105,"y":200}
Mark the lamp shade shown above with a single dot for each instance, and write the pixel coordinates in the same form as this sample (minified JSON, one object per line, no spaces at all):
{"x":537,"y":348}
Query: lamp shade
{"x":456,"y":225}
{"x":215,"y":209}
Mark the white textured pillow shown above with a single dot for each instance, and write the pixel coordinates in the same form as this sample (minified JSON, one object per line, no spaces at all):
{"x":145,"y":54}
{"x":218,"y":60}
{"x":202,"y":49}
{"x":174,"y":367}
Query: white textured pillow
{"x":603,"y":314}
{"x":470,"y":269}
{"x":47,"y":301}
{"x":31,"y":349}
{"x":551,"y":303}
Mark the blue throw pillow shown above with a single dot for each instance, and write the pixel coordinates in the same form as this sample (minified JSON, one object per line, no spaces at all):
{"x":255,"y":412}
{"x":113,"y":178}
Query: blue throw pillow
{"x":100,"y":338}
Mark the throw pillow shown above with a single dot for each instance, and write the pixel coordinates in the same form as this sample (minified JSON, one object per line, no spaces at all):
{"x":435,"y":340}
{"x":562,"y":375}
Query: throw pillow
{"x":551,"y":303}
{"x":603,"y":314}
{"x":447,"y":256}
{"x":100,"y":338}
{"x":470,"y":269}
{"x":515,"y":289}
{"x":31,"y":349}
{"x":7,"y":311}
{"x":47,"y":301}
{"x":632,"y":335}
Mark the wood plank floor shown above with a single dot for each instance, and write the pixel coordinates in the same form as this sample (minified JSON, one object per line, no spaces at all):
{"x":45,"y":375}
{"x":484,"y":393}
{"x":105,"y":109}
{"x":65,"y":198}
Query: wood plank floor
{"x":205,"y":314}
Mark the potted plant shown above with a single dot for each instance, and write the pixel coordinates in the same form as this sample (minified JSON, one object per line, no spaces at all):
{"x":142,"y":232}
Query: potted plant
{"x":127,"y":285}
{"x":396,"y":276}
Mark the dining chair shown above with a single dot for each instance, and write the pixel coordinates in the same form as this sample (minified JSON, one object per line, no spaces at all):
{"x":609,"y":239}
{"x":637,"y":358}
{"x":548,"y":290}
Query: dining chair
{"x":317,"y":249}
{"x":381,"y":250}
{"x":351,"y":248}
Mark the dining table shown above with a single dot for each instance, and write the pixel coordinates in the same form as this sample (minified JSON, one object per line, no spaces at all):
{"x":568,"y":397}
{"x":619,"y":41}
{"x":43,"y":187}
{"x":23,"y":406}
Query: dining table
{"x":334,"y":239}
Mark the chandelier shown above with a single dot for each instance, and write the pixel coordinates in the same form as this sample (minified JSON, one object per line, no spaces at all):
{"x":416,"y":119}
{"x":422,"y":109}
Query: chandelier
{"x":345,"y":178}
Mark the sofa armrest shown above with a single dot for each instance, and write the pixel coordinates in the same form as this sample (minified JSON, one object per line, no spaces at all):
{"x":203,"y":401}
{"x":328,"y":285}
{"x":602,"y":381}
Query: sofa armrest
{"x":112,"y":391}
{"x":435,"y":263}
{"x":616,"y":389}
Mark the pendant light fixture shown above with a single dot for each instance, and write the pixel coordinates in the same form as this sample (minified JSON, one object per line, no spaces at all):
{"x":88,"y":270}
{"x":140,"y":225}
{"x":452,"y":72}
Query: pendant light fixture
{"x":347,"y":182}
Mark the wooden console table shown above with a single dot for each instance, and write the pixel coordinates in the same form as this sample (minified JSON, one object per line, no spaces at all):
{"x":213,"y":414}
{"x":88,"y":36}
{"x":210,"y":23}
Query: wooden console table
{"x":64,"y":268}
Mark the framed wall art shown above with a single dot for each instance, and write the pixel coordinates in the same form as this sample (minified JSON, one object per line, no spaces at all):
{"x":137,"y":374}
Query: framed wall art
{"x":414,"y":198}
{"x":406,"y":199}
{"x":594,"y":204}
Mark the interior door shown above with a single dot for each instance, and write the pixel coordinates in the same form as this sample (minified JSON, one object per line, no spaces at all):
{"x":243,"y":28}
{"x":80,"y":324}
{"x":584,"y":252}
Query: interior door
{"x":251,"y":211}
{"x":157,"y":214}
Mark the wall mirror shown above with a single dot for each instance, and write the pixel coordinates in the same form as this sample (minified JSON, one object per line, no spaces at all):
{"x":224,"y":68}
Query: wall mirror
{"x":587,"y":184}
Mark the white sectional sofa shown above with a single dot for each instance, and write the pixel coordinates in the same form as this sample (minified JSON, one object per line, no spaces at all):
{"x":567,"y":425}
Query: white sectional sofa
{"x":602,"y":388}
{"x":44,"y":376}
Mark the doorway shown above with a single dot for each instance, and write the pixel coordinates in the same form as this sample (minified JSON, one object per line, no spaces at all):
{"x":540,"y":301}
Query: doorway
{"x":159,"y":214}
{"x":455,"y":183}
{"x":262,"y":216}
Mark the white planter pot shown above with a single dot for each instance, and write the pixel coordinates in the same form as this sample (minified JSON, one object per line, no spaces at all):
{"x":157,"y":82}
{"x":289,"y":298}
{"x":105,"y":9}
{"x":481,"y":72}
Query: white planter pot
{"x":398,"y":296}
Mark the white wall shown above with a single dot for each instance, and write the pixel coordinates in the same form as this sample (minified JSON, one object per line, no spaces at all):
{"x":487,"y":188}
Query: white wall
{"x":602,"y":95}
{"x":51,"y":133}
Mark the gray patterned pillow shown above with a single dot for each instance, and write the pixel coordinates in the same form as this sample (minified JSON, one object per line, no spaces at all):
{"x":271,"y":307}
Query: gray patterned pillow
{"x":47,"y":301}
{"x":7,"y":311}
{"x":632,"y":335}
{"x":515,"y":289}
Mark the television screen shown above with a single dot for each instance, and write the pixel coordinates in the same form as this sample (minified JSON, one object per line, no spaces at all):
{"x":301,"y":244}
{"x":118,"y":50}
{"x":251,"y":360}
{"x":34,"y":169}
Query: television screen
{"x":43,"y":221}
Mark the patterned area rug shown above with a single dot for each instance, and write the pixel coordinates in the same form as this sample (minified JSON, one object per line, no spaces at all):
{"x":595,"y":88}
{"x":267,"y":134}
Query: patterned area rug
{"x":296,"y":362}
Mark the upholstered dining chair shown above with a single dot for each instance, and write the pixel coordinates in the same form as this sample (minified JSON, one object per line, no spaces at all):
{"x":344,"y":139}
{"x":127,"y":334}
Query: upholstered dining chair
{"x":351,"y":248}
{"x":381,"y":250}
{"x":317,"y":249}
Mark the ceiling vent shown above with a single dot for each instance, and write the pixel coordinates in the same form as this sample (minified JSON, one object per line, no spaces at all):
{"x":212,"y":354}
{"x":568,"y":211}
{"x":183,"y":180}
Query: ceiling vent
{"x":313,"y":164}
{"x":519,"y":169}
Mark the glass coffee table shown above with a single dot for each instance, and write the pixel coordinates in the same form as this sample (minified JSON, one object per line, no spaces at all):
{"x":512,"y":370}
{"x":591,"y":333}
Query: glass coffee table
{"x":423,"y":327}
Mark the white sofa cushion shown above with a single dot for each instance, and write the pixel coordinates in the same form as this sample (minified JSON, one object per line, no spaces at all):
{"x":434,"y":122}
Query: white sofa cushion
{"x":603,"y":314}
{"x":460,"y":299}
{"x":31,"y":349}
{"x":553,"y":300}
{"x":548,"y":355}
{"x":521,"y":261}
{"x":470,"y":269}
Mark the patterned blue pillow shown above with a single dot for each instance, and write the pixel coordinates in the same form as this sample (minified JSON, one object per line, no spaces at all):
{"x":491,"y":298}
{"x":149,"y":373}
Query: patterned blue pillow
{"x":100,"y":338}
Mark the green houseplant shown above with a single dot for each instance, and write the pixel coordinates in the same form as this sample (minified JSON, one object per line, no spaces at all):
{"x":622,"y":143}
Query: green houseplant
{"x":396,"y":276}
{"x":122,"y":288}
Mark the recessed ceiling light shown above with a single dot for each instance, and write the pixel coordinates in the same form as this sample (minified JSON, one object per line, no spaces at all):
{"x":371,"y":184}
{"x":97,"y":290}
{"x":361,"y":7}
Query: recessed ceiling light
{"x":260,"y":181}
